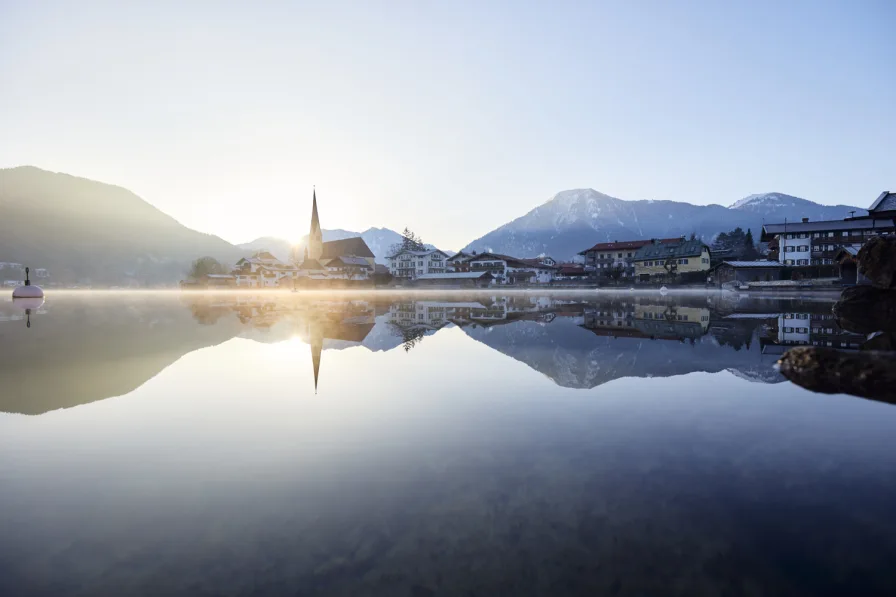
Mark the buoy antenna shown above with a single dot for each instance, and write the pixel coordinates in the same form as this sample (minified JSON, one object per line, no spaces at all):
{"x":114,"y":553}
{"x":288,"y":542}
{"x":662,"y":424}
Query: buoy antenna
{"x":27,"y":281}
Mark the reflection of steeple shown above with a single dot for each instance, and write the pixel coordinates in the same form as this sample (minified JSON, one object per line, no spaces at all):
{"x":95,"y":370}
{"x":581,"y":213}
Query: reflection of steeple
{"x":317,"y":346}
{"x":315,"y":236}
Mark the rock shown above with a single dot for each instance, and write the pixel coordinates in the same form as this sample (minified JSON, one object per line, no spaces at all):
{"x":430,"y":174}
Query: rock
{"x":877,"y":261}
{"x":865,"y":309}
{"x":866,"y":374}
{"x":881,"y":341}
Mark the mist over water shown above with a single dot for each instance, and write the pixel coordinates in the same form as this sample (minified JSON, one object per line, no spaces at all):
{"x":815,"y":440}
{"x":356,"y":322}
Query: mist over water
{"x":434,"y":443}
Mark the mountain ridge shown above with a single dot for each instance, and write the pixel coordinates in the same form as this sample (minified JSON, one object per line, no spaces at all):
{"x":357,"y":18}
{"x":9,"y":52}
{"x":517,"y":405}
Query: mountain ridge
{"x":575,"y":219}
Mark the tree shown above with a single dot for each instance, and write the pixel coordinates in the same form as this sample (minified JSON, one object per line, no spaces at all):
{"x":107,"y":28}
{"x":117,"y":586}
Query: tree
{"x":615,"y":273}
{"x":409,"y":242}
{"x":205,"y":266}
{"x":750,"y":252}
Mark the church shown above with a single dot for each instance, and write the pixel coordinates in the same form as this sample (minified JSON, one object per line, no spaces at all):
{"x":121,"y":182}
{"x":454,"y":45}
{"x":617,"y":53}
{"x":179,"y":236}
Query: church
{"x":344,"y":259}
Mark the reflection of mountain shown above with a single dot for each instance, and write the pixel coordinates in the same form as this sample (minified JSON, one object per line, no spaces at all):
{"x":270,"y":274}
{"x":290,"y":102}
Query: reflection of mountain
{"x":610,"y":342}
{"x":78,"y":351}
{"x":86,"y":348}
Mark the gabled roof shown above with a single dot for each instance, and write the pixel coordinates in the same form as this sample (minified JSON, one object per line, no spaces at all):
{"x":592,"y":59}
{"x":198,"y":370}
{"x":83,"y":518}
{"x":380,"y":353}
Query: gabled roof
{"x":511,"y":261}
{"x":345,"y":260}
{"x":684,"y":248}
{"x":886,"y":202}
{"x":771,"y":264}
{"x":354,"y":246}
{"x":460,"y":256}
{"x":311,"y":265}
{"x":457,"y":276}
{"x":417,"y":253}
{"x":628,"y":244}
{"x":826,"y":226}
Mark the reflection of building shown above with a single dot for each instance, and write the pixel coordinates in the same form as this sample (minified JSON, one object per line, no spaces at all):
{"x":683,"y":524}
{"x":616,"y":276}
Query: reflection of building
{"x":646,"y":320}
{"x":807,"y":329}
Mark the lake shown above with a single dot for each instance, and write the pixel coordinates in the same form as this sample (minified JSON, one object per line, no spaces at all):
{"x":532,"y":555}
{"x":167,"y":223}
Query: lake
{"x":435,"y":444}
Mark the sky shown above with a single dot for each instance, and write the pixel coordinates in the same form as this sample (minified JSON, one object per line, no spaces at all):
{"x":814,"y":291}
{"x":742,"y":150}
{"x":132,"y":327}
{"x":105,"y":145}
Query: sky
{"x":450,"y":118}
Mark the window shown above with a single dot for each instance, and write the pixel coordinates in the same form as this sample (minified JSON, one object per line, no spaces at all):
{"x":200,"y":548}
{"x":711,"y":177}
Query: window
{"x":629,"y":255}
{"x":790,"y":236}
{"x":788,"y":262}
{"x":804,"y":262}
{"x":845,"y":233}
{"x":830,"y":235}
{"x":817,"y":234}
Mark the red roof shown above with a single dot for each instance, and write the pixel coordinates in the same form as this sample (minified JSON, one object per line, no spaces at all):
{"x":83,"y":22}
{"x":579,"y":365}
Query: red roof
{"x":629,"y":244}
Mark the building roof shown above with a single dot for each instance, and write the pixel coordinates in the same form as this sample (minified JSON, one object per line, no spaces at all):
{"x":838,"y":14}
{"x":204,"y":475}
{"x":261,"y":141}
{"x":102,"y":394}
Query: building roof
{"x":886,"y":202}
{"x":220,"y":276}
{"x":460,"y":256}
{"x":315,"y":220}
{"x":826,"y":226}
{"x":455,"y":276}
{"x":628,"y":244}
{"x":537,"y":263}
{"x":345,"y":260}
{"x":311,"y":265}
{"x":417,"y":253}
{"x":572,"y":270}
{"x":753,"y":263}
{"x":511,"y":261}
{"x":354,"y":246}
{"x":684,"y":248}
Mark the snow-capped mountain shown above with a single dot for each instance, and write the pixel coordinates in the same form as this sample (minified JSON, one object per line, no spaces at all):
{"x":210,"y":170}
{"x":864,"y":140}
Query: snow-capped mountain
{"x":378,"y":239}
{"x":574,"y":220}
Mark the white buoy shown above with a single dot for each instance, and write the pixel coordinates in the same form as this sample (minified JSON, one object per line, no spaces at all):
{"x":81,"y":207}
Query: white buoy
{"x":664,"y":291}
{"x":27,"y":291}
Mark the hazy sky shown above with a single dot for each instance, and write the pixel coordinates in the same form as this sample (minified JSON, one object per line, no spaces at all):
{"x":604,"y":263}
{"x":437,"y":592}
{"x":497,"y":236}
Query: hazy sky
{"x":448,"y":117}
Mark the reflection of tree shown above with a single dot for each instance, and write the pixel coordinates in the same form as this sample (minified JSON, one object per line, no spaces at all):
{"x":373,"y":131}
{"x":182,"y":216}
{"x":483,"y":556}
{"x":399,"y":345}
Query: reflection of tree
{"x":207,"y":314}
{"x":411,"y":336}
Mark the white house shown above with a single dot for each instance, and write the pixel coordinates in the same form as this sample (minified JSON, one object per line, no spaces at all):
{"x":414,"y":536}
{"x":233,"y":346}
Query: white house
{"x":508,"y":270}
{"x":410,"y":264}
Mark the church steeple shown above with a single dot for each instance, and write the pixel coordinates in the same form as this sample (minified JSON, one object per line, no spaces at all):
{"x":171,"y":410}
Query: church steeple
{"x":315,"y":236}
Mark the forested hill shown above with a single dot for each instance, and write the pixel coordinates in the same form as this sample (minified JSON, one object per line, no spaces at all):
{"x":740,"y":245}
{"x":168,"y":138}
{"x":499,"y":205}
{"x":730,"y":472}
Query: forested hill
{"x":85,"y":231}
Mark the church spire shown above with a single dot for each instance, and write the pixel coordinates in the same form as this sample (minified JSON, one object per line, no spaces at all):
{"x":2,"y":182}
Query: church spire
{"x":315,"y":236}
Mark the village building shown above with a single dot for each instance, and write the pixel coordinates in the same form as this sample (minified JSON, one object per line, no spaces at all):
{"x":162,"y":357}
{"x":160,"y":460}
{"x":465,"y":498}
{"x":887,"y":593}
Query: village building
{"x":604,"y":257}
{"x":459,"y":262}
{"x":347,"y":259}
{"x":808,"y":243}
{"x":663,"y":261}
{"x":748,"y":271}
{"x":570,"y":271}
{"x":511,"y":270}
{"x":349,"y":268}
{"x":480,"y":279}
{"x":410,"y":265}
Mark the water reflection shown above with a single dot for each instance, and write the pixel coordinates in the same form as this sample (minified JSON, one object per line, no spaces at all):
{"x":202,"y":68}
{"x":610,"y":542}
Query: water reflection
{"x":459,"y":445}
{"x":88,"y":349}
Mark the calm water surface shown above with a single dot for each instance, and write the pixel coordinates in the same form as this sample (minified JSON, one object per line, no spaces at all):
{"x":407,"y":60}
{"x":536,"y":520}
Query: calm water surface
{"x":443,"y":445}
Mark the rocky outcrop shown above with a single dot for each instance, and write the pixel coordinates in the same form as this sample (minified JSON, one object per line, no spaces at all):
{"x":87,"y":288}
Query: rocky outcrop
{"x":866,"y":309}
{"x":866,"y":374}
{"x":877,"y":261}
